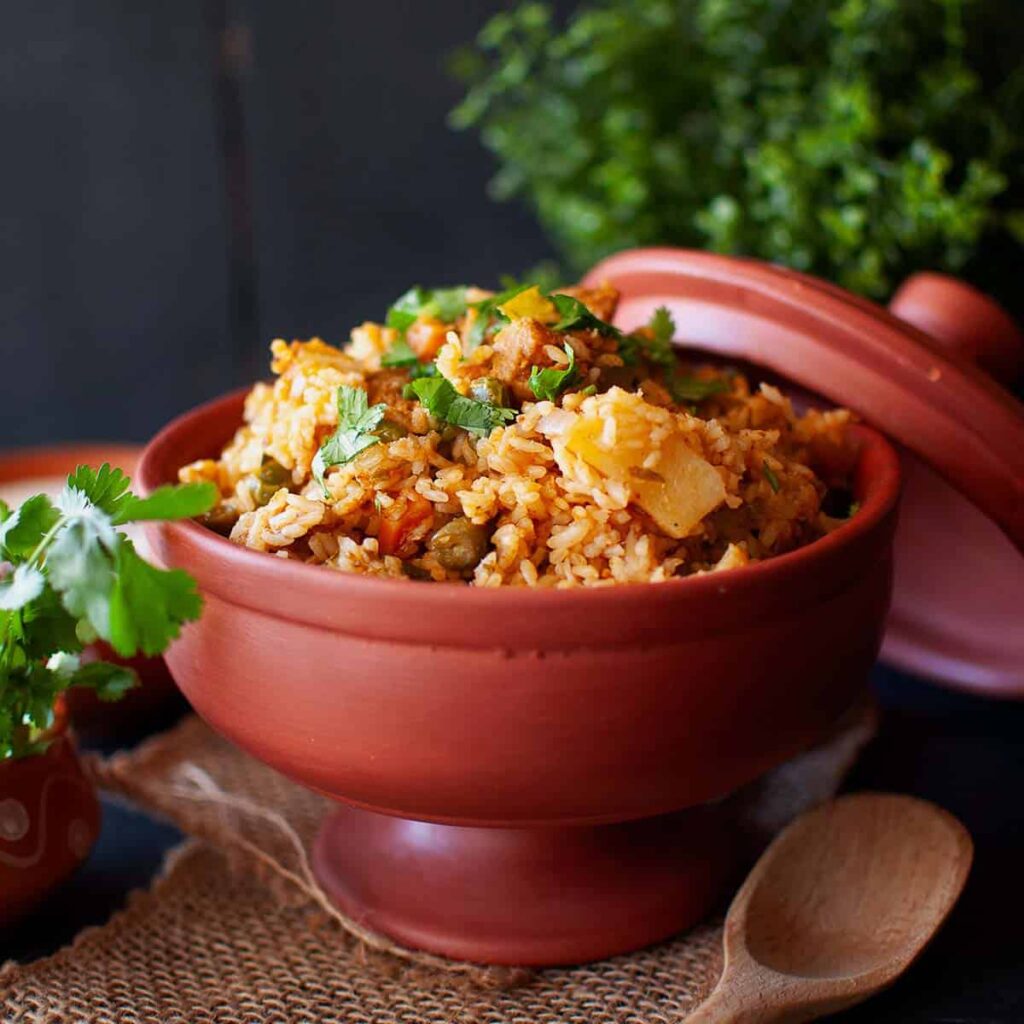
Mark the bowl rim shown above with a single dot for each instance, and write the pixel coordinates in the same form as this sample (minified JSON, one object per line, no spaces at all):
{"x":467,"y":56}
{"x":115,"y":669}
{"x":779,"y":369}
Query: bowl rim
{"x":39,"y":462}
{"x":879,"y":494}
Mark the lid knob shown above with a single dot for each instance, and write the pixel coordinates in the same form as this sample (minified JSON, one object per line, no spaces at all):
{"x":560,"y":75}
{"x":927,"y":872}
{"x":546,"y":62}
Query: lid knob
{"x":963,"y":321}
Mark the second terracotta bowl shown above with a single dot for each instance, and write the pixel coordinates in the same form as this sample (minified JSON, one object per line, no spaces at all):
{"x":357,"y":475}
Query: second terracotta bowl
{"x":528,"y":726}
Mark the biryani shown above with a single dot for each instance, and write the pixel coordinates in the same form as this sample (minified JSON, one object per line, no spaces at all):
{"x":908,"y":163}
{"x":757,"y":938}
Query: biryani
{"x":520,"y":439}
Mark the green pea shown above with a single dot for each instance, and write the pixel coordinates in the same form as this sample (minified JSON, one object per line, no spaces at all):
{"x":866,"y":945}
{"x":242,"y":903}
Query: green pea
{"x":389,"y":430}
{"x":489,"y":389}
{"x":460,"y":544}
{"x":272,"y":472}
{"x":221,"y":519}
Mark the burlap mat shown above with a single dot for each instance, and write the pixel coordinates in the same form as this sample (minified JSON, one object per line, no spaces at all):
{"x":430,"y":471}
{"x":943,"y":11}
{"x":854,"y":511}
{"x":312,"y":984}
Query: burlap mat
{"x":236,"y":931}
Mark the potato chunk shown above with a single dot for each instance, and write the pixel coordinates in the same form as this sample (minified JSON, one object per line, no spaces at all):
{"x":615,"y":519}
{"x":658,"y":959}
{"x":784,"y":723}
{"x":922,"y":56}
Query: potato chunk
{"x":677,"y":491}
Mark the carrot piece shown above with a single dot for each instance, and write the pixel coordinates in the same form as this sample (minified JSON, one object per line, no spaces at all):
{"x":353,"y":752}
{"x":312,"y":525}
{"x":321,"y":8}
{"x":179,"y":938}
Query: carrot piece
{"x":400,"y":520}
{"x":426,"y":337}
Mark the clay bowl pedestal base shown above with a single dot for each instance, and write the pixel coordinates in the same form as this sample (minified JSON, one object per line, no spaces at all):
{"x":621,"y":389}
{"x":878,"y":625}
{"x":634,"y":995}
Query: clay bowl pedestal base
{"x":526,"y":896}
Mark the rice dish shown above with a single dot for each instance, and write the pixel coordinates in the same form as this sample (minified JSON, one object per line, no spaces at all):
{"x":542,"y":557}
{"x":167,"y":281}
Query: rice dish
{"x":522,"y":440}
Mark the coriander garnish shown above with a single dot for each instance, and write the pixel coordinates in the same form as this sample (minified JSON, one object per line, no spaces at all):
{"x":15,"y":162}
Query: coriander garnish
{"x":354,"y":433}
{"x":444,"y":304}
{"x":575,"y":316}
{"x":487,"y":316}
{"x":439,"y":397}
{"x":550,"y":383}
{"x":695,"y":389}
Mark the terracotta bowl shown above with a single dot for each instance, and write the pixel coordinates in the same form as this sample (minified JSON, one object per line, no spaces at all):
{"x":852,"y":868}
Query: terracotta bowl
{"x":512,"y":766}
{"x":156,"y":699}
{"x":49,"y":821}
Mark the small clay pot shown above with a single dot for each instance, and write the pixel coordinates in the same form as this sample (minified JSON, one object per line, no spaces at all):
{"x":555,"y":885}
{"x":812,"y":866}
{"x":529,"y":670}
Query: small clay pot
{"x":156,"y":700}
{"x":49,"y":821}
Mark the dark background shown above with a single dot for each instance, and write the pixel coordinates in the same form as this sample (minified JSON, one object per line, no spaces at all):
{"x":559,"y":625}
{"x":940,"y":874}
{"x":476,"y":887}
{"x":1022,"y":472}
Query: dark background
{"x":181,"y":182}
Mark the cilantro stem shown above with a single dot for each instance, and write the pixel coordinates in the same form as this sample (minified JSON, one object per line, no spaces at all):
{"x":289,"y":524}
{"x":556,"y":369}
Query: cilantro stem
{"x":47,"y":537}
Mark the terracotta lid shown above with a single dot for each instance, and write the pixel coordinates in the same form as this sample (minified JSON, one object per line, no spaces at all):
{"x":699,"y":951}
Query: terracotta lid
{"x":923,"y":373}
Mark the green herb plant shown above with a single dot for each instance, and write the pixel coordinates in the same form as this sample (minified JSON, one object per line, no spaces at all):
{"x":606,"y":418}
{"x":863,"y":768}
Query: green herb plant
{"x":71,"y":577}
{"x":856,"y":139}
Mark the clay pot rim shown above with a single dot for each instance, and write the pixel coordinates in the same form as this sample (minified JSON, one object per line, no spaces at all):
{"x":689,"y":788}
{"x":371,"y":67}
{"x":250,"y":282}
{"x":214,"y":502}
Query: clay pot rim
{"x":878,"y":495}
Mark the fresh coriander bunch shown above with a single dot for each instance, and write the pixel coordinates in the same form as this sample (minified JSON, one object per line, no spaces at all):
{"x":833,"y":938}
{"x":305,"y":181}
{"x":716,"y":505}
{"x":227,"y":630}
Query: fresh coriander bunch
{"x":856,"y":139}
{"x":71,"y":578}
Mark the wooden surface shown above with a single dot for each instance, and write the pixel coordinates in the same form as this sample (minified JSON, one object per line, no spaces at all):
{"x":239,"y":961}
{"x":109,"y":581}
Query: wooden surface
{"x":842,"y":902}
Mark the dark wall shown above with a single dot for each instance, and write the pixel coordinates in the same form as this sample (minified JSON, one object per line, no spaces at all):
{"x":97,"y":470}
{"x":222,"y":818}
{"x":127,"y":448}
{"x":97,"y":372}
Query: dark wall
{"x":183,"y":181}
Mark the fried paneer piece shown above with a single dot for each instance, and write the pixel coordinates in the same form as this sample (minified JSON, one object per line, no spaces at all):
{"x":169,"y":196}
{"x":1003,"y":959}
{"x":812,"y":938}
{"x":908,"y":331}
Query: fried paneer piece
{"x":386,"y":386}
{"x":519,"y":347}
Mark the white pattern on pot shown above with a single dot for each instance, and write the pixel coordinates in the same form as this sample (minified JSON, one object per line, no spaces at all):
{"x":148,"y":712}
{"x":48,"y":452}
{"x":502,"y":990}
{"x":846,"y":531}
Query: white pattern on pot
{"x":14,"y":820}
{"x":28,"y":860}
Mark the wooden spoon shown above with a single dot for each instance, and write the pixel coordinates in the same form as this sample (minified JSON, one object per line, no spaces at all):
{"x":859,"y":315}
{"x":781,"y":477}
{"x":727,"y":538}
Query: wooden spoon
{"x":837,"y":908}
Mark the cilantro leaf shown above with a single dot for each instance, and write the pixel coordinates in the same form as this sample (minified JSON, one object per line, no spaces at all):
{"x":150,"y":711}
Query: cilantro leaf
{"x":356,"y":421}
{"x":423,"y":370}
{"x":415,"y":373}
{"x":662,"y":325}
{"x":5,"y":511}
{"x":577,"y":317}
{"x":47,"y":626}
{"x":181,"y":501}
{"x":439,"y":397}
{"x":76,"y":579}
{"x":445,"y":304}
{"x":400,"y":354}
{"x":448,"y":304}
{"x":405,"y":310}
{"x":488,"y":316}
{"x":148,"y":605}
{"x":659,"y":348}
{"x":686,"y":389}
{"x":21,"y":587}
{"x":79,"y":567}
{"x":106,"y":488}
{"x":23,"y":531}
{"x":550,"y":383}
{"x":110,"y":682}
